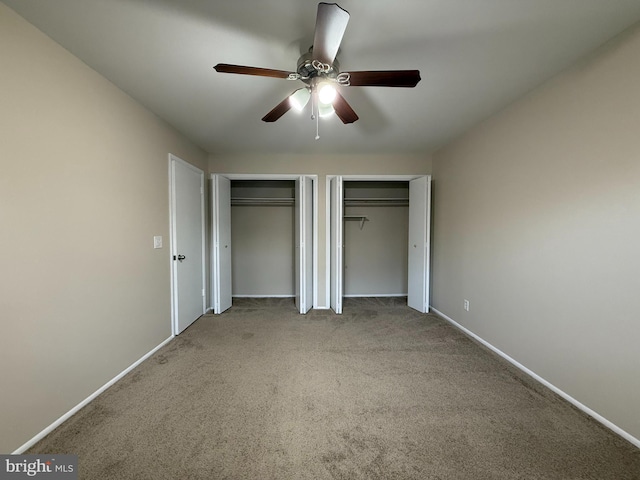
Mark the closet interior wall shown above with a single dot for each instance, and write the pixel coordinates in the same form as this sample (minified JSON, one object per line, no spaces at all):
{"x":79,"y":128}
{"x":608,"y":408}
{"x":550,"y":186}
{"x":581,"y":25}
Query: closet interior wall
{"x":263,"y":238}
{"x":376,"y":226}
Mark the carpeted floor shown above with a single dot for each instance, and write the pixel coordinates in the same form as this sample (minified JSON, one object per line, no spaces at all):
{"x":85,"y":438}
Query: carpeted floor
{"x":380,"y":392}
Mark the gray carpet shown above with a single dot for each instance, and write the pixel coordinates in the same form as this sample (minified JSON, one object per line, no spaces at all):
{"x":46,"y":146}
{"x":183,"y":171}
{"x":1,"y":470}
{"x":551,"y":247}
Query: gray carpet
{"x":380,"y":392}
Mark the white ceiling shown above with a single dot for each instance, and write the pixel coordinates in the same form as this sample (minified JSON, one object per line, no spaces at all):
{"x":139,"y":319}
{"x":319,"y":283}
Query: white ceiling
{"x":475,"y":57}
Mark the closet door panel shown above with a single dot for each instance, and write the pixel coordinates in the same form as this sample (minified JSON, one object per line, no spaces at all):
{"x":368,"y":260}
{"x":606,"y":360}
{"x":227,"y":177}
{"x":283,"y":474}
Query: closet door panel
{"x":418,"y":282}
{"x":336,"y":223}
{"x":307,"y":231}
{"x":304,"y":244}
{"x":221,"y":233}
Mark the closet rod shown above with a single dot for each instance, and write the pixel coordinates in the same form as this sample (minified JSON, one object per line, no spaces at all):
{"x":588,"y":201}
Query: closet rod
{"x":256,"y":201}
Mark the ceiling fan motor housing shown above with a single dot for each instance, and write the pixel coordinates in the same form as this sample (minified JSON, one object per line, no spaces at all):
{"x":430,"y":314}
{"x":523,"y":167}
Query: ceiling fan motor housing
{"x":307,"y":70}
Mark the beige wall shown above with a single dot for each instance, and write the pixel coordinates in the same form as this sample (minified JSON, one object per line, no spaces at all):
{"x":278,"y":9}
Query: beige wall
{"x":537,"y":224}
{"x":83,"y":190}
{"x":322,"y":165}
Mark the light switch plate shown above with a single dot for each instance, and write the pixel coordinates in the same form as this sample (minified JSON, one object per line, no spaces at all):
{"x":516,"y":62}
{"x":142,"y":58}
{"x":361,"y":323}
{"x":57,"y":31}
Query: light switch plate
{"x":157,"y":241}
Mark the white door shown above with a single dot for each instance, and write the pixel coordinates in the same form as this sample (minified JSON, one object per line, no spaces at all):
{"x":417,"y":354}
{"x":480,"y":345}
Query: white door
{"x":187,"y":243}
{"x":336,"y":195}
{"x":419,"y":229}
{"x":304,"y":244}
{"x":221,"y":235}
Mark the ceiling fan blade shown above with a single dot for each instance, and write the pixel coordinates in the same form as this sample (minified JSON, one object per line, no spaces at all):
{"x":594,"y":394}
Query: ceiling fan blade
{"x":277,"y":111}
{"x":331,"y":23}
{"x":385,"y":78}
{"x":242,"y":70}
{"x":344,"y":110}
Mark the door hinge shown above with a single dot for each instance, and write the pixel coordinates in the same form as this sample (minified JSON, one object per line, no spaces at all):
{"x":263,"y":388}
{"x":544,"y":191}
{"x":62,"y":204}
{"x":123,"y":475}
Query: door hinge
{"x":203,"y":292}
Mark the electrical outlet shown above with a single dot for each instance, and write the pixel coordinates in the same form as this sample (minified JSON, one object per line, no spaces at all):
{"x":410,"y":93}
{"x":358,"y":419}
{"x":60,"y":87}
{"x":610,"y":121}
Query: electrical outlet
{"x":466,"y":305}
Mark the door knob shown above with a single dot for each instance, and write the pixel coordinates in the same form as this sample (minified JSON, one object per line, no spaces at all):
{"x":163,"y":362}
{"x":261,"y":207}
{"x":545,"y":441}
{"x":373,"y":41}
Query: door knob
{"x":181,"y":257}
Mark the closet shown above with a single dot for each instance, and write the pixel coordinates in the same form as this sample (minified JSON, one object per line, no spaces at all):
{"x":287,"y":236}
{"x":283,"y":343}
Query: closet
{"x":376,"y":227}
{"x":379,"y":238}
{"x":262,"y":238}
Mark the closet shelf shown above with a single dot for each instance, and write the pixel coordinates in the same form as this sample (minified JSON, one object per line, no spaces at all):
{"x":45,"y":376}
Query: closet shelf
{"x":383,"y":202}
{"x":264,"y":201}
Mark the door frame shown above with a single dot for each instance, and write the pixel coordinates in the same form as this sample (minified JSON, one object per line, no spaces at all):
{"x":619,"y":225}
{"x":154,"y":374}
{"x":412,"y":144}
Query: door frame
{"x":172,"y":240}
{"x":377,"y":178}
{"x":278,"y":176}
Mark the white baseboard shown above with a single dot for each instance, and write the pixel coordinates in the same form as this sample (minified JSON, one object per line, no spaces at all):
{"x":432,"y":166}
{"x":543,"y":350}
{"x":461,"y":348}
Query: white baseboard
{"x":596,"y":416}
{"x":91,"y":397}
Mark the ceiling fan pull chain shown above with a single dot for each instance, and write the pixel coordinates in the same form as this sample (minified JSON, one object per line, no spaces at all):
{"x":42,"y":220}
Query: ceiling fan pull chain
{"x":315,"y":112}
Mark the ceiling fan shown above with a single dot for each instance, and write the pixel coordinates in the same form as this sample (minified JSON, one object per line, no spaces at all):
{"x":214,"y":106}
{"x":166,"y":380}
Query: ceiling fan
{"x":320,"y":71}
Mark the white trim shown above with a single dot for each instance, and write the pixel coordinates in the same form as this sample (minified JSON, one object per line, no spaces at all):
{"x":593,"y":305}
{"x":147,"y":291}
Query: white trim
{"x":596,"y":416}
{"x":172,"y":242}
{"x":213,"y":257}
{"x":83,"y":403}
{"x":203,"y":220}
{"x":263,"y":176}
{"x":381,"y":177}
{"x":314,"y":180}
{"x":327,"y":240}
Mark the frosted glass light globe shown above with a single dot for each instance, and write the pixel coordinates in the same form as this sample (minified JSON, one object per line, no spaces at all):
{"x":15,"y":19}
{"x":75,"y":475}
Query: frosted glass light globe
{"x":299,"y":99}
{"x":327,"y":94}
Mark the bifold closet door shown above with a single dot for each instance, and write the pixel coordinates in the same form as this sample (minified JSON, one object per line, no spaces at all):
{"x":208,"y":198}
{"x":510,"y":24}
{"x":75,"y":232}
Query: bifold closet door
{"x":419,"y":219}
{"x":221,"y":234}
{"x":336,"y":202}
{"x":304,"y":244}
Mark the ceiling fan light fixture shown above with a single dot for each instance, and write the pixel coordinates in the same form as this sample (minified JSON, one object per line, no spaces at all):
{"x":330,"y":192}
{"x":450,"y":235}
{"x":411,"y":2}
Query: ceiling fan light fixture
{"x":325,"y":109}
{"x":299,"y":99}
{"x":320,"y":71}
{"x":326,"y":93}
